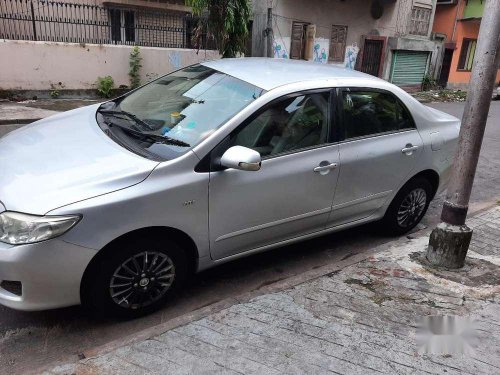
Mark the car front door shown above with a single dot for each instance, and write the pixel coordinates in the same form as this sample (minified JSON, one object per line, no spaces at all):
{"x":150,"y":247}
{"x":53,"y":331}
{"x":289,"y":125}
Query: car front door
{"x":291,"y":194}
{"x":380,"y":149}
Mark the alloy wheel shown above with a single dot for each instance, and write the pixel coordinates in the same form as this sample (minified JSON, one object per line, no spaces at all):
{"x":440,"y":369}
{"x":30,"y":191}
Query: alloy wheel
{"x":142,"y":280}
{"x":412,"y":207}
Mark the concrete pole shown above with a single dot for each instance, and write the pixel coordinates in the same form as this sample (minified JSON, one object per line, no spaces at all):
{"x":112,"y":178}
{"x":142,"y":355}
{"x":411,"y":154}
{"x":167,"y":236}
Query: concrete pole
{"x":269,"y":33}
{"x":450,"y":241}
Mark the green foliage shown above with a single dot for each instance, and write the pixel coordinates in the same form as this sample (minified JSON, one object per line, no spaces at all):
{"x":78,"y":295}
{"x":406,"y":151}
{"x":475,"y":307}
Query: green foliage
{"x":135,"y":67}
{"x":55,"y":90}
{"x":227,"y":24}
{"x":105,"y":85}
{"x":54,"y":93}
{"x":429,"y":83}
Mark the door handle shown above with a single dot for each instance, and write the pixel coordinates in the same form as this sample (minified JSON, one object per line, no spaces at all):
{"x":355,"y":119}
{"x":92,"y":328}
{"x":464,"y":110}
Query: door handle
{"x":322,"y":168}
{"x":408,"y":150}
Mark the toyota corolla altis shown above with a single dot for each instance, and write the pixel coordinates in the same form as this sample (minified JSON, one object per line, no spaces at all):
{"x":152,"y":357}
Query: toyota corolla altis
{"x":115,"y":205}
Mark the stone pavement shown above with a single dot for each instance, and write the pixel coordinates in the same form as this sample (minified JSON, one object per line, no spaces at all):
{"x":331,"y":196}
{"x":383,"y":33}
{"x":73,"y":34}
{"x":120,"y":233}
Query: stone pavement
{"x":13,"y":115}
{"x":362,"y":319}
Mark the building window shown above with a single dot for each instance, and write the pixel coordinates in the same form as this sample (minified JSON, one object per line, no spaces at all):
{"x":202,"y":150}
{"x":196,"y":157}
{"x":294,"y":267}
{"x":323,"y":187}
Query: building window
{"x":420,"y":20}
{"x":337,"y":43}
{"x":467,"y":54}
{"x":122,"y":24}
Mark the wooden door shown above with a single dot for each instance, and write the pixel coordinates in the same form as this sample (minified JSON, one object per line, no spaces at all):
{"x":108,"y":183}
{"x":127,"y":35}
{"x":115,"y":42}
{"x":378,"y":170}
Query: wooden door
{"x":297,"y":43}
{"x":372,"y":56}
{"x":337,"y":43}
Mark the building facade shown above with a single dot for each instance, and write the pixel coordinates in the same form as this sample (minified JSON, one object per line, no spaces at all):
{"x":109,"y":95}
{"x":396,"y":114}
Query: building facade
{"x":65,"y":45}
{"x":391,"y":39}
{"x":458,"y":21}
{"x":151,"y":23}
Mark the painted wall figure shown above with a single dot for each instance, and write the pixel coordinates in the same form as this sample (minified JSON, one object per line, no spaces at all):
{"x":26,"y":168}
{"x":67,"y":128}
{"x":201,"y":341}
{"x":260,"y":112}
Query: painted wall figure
{"x":351,"y":54}
{"x":280,"y":48}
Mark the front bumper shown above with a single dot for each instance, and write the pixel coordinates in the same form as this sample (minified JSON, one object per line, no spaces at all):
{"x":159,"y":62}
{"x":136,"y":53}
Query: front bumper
{"x":50,"y":273}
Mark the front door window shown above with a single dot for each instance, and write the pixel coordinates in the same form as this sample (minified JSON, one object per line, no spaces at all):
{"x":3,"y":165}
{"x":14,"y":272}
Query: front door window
{"x":288,"y":125}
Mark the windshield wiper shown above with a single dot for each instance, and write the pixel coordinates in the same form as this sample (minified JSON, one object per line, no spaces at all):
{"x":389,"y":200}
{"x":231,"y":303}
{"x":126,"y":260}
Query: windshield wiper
{"x":131,"y":116}
{"x":153,"y":137}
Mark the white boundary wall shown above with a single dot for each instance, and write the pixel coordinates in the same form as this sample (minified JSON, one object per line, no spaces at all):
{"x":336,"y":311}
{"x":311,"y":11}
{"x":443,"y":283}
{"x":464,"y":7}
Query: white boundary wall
{"x":27,"y":65}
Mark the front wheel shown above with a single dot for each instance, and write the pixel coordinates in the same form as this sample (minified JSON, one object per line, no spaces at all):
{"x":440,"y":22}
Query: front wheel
{"x":135,"y":278}
{"x":408,"y":206}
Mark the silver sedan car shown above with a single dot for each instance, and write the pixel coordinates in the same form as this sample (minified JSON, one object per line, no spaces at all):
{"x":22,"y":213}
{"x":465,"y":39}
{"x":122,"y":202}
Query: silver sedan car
{"x":114,"y":205}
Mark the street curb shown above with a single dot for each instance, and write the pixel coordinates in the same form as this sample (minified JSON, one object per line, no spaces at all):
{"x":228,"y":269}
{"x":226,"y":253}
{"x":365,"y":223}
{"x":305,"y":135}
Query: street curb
{"x":19,"y":121}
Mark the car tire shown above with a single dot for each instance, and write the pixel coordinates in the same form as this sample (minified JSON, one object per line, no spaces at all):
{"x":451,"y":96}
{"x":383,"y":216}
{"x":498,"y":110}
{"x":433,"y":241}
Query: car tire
{"x":408,"y":206}
{"x":134,"y":278}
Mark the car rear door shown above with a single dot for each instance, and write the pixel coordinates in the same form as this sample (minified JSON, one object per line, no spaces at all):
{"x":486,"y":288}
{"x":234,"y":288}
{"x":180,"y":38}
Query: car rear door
{"x":291,"y":194}
{"x":379,"y":151}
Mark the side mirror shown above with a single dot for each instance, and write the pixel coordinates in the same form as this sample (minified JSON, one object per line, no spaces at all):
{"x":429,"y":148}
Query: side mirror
{"x":242,"y":158}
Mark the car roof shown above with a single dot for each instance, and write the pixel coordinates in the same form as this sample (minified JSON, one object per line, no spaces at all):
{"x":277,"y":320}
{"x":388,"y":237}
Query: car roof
{"x":269,"y":73}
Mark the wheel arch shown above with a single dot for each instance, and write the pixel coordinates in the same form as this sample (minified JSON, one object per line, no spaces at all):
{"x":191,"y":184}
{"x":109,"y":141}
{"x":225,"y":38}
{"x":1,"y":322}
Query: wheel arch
{"x":180,"y":237}
{"x":430,"y":175}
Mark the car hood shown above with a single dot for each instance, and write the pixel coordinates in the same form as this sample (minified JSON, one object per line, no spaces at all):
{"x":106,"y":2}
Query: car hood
{"x":64,"y":159}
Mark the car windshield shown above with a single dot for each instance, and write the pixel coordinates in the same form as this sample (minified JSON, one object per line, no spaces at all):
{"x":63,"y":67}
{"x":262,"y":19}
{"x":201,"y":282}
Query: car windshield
{"x":174,"y":113}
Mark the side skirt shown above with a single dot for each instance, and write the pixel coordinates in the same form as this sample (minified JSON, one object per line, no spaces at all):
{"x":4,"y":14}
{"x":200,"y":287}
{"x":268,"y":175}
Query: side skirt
{"x":206,"y":263}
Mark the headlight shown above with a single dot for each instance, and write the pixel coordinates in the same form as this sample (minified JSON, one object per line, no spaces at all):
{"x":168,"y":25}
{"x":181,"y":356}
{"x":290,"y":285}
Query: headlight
{"x":17,"y":228}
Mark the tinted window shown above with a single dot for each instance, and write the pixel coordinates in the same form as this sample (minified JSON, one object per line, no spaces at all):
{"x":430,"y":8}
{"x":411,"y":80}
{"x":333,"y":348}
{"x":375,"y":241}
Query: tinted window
{"x":371,"y":112}
{"x":287,"y":125}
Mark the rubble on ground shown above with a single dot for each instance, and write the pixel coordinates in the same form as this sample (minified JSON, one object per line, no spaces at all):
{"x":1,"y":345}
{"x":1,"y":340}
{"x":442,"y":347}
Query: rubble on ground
{"x":440,"y":96}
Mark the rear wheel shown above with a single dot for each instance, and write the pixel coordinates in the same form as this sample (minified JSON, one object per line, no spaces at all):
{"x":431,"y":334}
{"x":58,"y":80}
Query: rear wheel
{"x":408,"y":206}
{"x":135,"y":278}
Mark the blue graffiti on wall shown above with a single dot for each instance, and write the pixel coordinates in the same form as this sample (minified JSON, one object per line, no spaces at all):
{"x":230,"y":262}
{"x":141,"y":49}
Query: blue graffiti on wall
{"x":351,"y":59}
{"x":279,"y":51}
{"x":351,"y":56}
{"x":320,"y":57}
{"x":175,"y":59}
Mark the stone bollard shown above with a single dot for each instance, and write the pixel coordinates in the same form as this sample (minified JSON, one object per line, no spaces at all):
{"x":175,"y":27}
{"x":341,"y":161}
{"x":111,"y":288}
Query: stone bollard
{"x":448,"y":245}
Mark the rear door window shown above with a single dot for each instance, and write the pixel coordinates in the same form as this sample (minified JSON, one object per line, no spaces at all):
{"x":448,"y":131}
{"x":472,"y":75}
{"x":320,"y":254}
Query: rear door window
{"x":369,"y":113}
